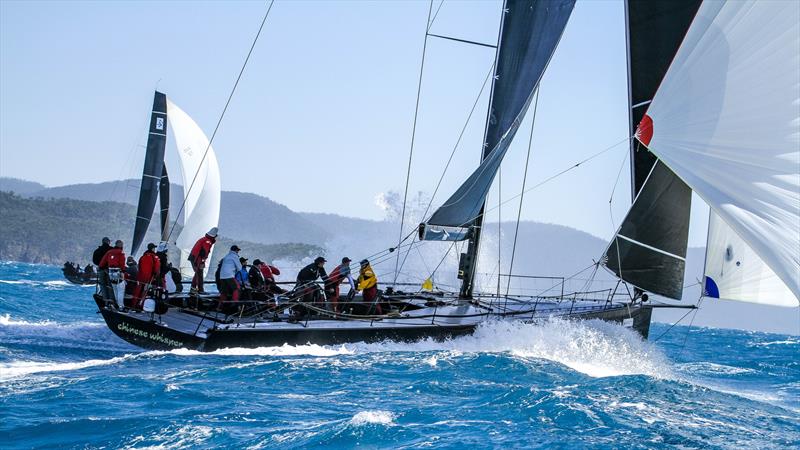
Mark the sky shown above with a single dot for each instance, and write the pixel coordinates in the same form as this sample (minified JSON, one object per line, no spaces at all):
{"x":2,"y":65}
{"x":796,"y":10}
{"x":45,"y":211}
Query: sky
{"x":322,"y":119}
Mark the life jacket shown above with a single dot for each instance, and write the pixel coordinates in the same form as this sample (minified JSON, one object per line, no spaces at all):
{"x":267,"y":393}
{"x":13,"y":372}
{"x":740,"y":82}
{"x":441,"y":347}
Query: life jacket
{"x":367,"y":278}
{"x":149,"y":267}
{"x":114,"y":259}
{"x":269,"y":272}
{"x":201,"y":249}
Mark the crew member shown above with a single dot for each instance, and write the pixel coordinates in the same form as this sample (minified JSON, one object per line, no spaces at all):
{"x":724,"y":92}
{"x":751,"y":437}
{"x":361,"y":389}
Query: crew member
{"x":114,"y":259}
{"x":198,"y":257}
{"x":102,"y":275}
{"x":131,"y":275}
{"x":339,"y":274}
{"x":368,"y":283}
{"x":269,"y":271}
{"x":229,"y":267}
{"x":101,"y":251}
{"x":241,"y":279}
{"x":305,"y":287}
{"x":149,"y":274}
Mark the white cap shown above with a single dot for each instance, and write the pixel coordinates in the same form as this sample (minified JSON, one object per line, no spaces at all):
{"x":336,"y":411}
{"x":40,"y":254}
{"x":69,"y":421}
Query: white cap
{"x":212,"y":232}
{"x":162,"y":247}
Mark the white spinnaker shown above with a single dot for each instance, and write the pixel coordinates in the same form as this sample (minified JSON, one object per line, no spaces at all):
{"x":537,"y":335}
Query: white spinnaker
{"x":201,"y":209}
{"x":726,"y":119}
{"x":737,"y":272}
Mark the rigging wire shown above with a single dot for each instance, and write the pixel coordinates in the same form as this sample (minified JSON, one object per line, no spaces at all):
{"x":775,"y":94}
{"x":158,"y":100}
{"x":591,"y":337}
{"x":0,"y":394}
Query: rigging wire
{"x":613,"y":190}
{"x":413,"y":135}
{"x":222,"y":115}
{"x":552,"y":177}
{"x":453,"y":152}
{"x":522,"y":194}
{"x":430,"y":25}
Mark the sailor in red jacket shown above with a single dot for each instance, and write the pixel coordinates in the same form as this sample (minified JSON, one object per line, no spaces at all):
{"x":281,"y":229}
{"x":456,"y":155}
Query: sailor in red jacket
{"x":269,"y":272}
{"x":149,"y":274}
{"x":114,"y":258}
{"x":198,"y":257}
{"x":335,"y":278}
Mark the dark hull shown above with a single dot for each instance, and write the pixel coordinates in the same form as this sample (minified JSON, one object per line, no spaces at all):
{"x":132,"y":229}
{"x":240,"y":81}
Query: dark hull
{"x":152,"y":335}
{"x":82,"y":280}
{"x":149,"y":334}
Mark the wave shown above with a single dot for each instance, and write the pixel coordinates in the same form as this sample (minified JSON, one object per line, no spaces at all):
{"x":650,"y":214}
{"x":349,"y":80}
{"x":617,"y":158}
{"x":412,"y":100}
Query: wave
{"x":378,"y":417}
{"x":18,"y":369}
{"x":594,"y":348}
{"x":49,"y":285}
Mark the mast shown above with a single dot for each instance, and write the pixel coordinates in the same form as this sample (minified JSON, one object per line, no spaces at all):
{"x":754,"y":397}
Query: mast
{"x":529,"y":34}
{"x":153,"y":169}
{"x":468,"y":261}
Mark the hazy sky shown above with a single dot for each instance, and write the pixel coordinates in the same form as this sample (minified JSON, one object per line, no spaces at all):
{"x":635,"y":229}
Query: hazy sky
{"x":322,"y":119}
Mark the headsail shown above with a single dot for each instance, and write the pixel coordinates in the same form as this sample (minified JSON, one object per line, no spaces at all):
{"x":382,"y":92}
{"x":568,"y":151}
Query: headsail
{"x":649,"y":249}
{"x":529,"y":35}
{"x":200,"y":173}
{"x":153,"y":167}
{"x":726,"y":120}
{"x":735,"y":272}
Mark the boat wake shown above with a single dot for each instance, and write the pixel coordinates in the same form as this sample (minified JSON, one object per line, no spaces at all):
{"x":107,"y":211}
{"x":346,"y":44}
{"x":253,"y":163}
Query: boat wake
{"x":594,"y":348}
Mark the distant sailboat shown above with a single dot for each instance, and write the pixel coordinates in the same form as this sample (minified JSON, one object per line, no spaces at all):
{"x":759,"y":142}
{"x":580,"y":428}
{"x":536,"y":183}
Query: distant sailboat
{"x":713,"y":97}
{"x":201,"y":180}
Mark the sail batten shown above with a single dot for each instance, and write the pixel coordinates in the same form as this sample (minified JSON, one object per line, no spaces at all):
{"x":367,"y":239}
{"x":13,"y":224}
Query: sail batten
{"x":152,"y":171}
{"x":529,"y":35}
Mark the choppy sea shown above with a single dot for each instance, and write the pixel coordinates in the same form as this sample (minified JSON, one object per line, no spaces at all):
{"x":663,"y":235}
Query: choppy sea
{"x":67,"y":382}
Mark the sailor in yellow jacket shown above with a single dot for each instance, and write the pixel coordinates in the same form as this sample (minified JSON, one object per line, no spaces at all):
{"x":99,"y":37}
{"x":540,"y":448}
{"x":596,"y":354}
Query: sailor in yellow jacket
{"x":368,"y":283}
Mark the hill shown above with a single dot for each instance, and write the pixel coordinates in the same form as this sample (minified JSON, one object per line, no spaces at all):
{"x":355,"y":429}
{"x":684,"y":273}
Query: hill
{"x":243,"y":215}
{"x":52,"y":231}
{"x":19,"y":186}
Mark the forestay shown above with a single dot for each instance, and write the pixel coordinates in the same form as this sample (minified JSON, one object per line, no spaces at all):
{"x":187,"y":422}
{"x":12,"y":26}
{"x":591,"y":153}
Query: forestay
{"x":726,"y":119}
{"x":201,"y":182}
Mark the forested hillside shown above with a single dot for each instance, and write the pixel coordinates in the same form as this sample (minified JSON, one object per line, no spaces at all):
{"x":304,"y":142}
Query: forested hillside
{"x":52,"y":231}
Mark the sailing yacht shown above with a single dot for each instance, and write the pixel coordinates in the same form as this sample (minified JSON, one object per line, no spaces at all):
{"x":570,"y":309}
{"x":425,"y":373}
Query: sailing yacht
{"x":713,"y":98}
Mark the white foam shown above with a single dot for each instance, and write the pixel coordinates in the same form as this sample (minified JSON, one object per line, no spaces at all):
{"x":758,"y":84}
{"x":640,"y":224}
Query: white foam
{"x":21,"y":368}
{"x":378,"y":417}
{"x":714,"y":368}
{"x":284,"y":350}
{"x":595,"y":348}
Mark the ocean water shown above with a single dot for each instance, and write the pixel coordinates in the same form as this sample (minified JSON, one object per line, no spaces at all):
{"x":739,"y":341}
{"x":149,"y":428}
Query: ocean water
{"x":67,"y":382}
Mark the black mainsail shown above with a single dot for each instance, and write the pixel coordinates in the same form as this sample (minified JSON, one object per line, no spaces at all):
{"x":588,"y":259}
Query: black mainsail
{"x":163,"y":197}
{"x":530,"y":32}
{"x":153,"y":172}
{"x":649,"y":249}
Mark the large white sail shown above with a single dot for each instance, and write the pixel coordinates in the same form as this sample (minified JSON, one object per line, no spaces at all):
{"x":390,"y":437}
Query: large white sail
{"x":726,"y":119}
{"x":201,"y":209}
{"x":735,"y":272}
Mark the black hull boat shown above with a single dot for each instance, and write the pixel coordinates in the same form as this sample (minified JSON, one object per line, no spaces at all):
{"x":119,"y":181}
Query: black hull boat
{"x":190,"y":328}
{"x":76,"y":276}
